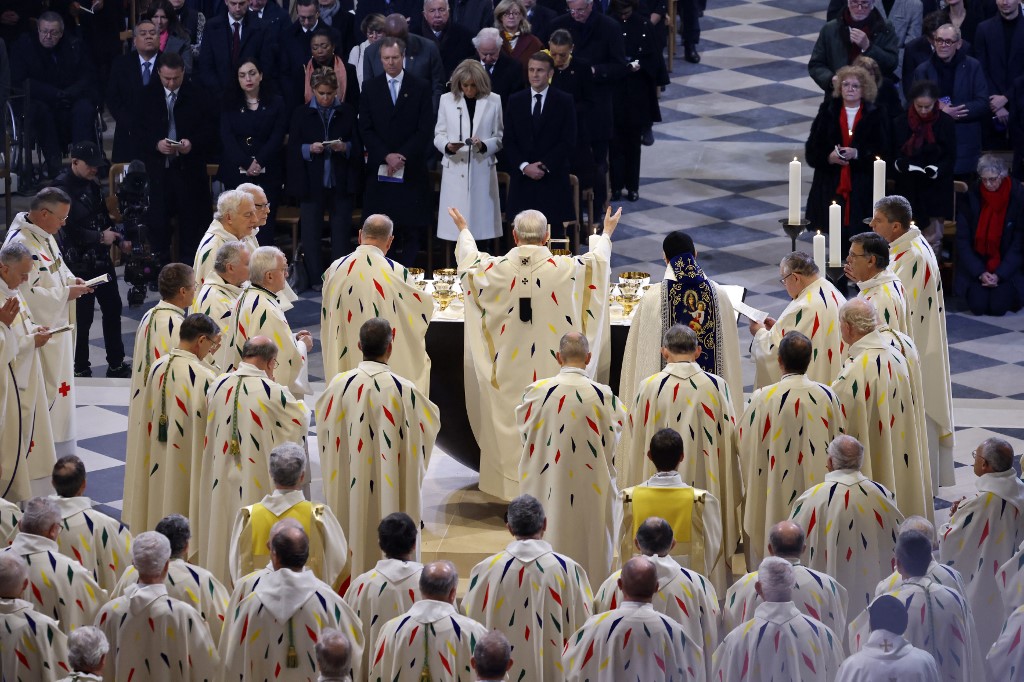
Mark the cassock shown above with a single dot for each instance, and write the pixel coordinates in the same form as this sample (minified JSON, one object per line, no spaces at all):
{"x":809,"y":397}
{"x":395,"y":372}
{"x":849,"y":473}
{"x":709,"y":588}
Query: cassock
{"x":58,"y":586}
{"x":779,"y":643}
{"x":100,"y":543}
{"x":939,"y":623}
{"x":367,"y":284}
{"x":191,"y":584}
{"x":376,"y":431}
{"x":851,"y":524}
{"x":982,"y":535}
{"x":328,"y":550}
{"x":876,"y":393}
{"x":887,"y":656}
{"x":46,"y":295}
{"x":815,"y":314}
{"x":698,"y":405}
{"x":248,"y":416}
{"x":217,"y":299}
{"x":1005,"y":660}
{"x":285,"y":611}
{"x":783,"y":435}
{"x":167,"y":441}
{"x":518,"y":307}
{"x":684,"y":596}
{"x":431,"y":633}
{"x":815,"y":594}
{"x":33,"y":646}
{"x":633,"y":642}
{"x":216,"y":236}
{"x":570,"y":426}
{"x":885,"y":290}
{"x":10,"y":515}
{"x":153,"y":636}
{"x":695,"y":516}
{"x":914,"y":262}
{"x":537,"y":598}
{"x":386,"y":591}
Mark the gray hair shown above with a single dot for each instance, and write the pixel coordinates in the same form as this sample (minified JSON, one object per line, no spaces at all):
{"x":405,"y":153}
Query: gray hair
{"x":530,"y":226}
{"x":262,"y":262}
{"x":525,"y":516}
{"x":334,"y":654}
{"x":993,"y":164}
{"x":874,"y":245}
{"x":956,"y":31}
{"x":860,"y":314}
{"x":438,"y":579}
{"x":87,"y":645}
{"x":846,"y":452}
{"x":150,"y":553}
{"x":13,"y":253}
{"x":13,"y":573}
{"x":378,"y":227}
{"x":574,"y":346}
{"x":230,"y":253}
{"x":287,"y":463}
{"x":492,"y":655}
{"x":679,"y":340}
{"x":52,"y":17}
{"x":49,"y":197}
{"x":229,"y":202}
{"x":252,"y":189}
{"x":489,"y":34}
{"x":178,"y":532}
{"x":997,"y":452}
{"x":135,"y":31}
{"x":776,"y":577}
{"x":799,"y":263}
{"x":41,"y":514}
{"x":922,"y":526}
{"x":896,"y":209}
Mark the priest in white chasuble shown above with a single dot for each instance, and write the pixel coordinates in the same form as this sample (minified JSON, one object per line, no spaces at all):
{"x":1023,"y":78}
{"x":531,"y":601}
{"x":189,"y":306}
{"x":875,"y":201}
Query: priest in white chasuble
{"x":97,"y":541}
{"x":814,"y":312}
{"x":851,"y":523}
{"x":914,"y":262}
{"x":570,"y":425}
{"x":886,"y":655}
{"x":779,"y":642}
{"x":685,"y":596}
{"x":249,"y":414}
{"x":815,"y":594}
{"x":689,"y":297}
{"x":940,"y":622}
{"x":687,"y":398}
{"x":1005,"y":660}
{"x":328,"y":549}
{"x":219,"y":293}
{"x":245,"y":586}
{"x":367,"y":284}
{"x":33,"y":647}
{"x":59,"y":586}
{"x":876,"y":392}
{"x":694,"y":515}
{"x":983,"y":533}
{"x":167,"y":440}
{"x":262,"y":204}
{"x":430,"y":641}
{"x":868,"y":265}
{"x":376,"y":431}
{"x":518,"y":307}
{"x":634,"y":641}
{"x":1010,"y":577}
{"x":273,"y":632}
{"x":151,"y":634}
{"x":784,"y":434}
{"x":258,"y":312}
{"x":236,"y":220}
{"x":390,"y":588}
{"x":28,"y":435}
{"x":537,"y":597}
{"x":940,"y":573}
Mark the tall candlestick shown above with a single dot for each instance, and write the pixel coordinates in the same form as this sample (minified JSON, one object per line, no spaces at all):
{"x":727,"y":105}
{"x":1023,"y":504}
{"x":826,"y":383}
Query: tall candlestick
{"x":819,"y":251}
{"x":794,"y":191}
{"x":878,"y":189}
{"x":835,"y":221}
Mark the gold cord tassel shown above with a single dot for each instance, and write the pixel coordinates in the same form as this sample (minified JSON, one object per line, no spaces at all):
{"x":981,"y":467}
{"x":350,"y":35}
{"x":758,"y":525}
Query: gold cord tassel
{"x":425,"y":671}
{"x":293,"y":657}
{"x":161,"y":429}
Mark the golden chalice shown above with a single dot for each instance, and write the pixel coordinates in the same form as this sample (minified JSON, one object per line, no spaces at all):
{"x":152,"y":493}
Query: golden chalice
{"x":444,"y":287}
{"x":632,"y":286}
{"x":416,"y":275}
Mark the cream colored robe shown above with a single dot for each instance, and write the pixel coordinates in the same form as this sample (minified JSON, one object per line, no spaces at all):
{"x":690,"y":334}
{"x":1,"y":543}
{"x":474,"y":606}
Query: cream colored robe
{"x":505,"y":354}
{"x":939,"y":573}
{"x":851,"y":524}
{"x":888,"y":656}
{"x":153,"y":636}
{"x":386,"y":591}
{"x":10,"y":515}
{"x":1010,"y":578}
{"x":217,"y":299}
{"x":537,"y":598}
{"x":100,"y":543}
{"x":161,"y":476}
{"x":216,"y":236}
{"x":260,"y":414}
{"x":376,"y":431}
{"x":367,"y":284}
{"x":1005,"y":660}
{"x":328,"y":549}
{"x":815,"y":314}
{"x":32,"y":648}
{"x":784,"y":433}
{"x":685,"y":596}
{"x":569,"y":426}
{"x":876,"y":392}
{"x":58,"y":586}
{"x":914,"y":262}
{"x":886,"y":291}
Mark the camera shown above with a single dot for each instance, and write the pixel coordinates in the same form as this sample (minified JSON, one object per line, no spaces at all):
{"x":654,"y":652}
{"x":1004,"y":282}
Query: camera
{"x":141,"y":267}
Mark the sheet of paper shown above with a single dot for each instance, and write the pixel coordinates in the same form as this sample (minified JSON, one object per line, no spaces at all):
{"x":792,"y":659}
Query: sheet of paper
{"x":754,"y":314}
{"x":96,"y":281}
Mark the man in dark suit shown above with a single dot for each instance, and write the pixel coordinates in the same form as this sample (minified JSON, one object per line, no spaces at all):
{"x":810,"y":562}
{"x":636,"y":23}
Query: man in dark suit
{"x":175,"y":143}
{"x":453,"y":41}
{"x":422,"y":58}
{"x":133,"y":77}
{"x":410,"y":9}
{"x":396,"y":123}
{"x":473,"y":15}
{"x":229,"y":40}
{"x":574,"y":76}
{"x":540,"y":134}
{"x":999,"y":46}
{"x":294,"y":52}
{"x":540,"y":18}
{"x":273,"y":16}
{"x":506,"y":73}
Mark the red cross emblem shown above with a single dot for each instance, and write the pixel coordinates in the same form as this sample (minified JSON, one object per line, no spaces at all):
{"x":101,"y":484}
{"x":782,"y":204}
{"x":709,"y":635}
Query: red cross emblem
{"x":64,"y":389}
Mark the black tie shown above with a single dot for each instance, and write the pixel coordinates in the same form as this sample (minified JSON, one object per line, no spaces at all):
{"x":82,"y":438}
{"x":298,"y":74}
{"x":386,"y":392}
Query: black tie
{"x":536,"y":110}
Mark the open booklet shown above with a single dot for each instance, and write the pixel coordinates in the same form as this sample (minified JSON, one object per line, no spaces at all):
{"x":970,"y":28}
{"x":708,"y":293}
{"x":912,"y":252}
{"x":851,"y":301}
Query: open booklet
{"x":96,"y":281}
{"x":56,"y":330}
{"x":736,"y":294}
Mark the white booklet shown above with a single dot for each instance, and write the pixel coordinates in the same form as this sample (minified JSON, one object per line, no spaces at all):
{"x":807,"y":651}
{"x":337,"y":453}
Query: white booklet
{"x":96,"y":281}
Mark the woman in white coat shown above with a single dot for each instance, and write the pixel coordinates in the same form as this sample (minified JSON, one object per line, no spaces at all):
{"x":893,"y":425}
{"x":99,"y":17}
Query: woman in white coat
{"x":468,"y":135}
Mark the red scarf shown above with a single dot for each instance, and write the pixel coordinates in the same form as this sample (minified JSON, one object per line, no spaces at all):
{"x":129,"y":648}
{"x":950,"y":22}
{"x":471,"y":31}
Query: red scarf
{"x":921,"y":132}
{"x":989,"y":237}
{"x":845,"y":179}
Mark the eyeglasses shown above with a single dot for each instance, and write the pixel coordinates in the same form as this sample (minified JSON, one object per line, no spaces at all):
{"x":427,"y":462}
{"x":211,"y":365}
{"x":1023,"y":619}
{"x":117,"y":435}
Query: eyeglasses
{"x":578,"y":12}
{"x":995,"y":180}
{"x":855,"y":255}
{"x":63,"y":219}
{"x":273,"y":364}
{"x":861,"y":3}
{"x":782,"y":280}
{"x":514,"y":13}
{"x":946,"y":42}
{"x":52,"y":33}
{"x":851,"y":85}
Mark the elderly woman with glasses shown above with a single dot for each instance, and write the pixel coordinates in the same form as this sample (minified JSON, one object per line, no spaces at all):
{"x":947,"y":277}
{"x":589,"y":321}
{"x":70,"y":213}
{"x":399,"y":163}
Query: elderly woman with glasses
{"x":989,"y":244}
{"x":373,"y":28}
{"x":517,"y":41}
{"x":859,"y":29}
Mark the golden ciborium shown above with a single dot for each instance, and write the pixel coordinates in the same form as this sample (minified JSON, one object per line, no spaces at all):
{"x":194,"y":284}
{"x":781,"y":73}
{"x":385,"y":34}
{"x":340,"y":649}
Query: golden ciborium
{"x":417,"y":277}
{"x":444,"y":287}
{"x":559,"y":247}
{"x":631,"y":288}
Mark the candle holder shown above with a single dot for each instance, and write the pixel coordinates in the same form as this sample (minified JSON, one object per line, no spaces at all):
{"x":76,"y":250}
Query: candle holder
{"x":834,"y":273}
{"x":794,"y":230}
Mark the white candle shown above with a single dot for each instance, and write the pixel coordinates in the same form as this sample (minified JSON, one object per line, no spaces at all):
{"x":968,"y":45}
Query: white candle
{"x":819,"y":251}
{"x":835,"y":221}
{"x":794,"y":192}
{"x":879,"y":185}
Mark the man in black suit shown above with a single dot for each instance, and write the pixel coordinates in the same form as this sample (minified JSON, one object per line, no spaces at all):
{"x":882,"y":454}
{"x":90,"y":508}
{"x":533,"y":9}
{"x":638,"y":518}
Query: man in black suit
{"x":540,"y":134}
{"x":453,"y":41}
{"x":229,"y":40}
{"x":540,"y":18}
{"x":422,"y":58}
{"x":133,"y":77}
{"x":175,"y":143}
{"x":396,"y":123}
{"x":574,"y":76}
{"x":273,"y":16}
{"x":295,"y":53}
{"x":473,"y":15}
{"x":506,"y":73}
{"x":999,"y":46}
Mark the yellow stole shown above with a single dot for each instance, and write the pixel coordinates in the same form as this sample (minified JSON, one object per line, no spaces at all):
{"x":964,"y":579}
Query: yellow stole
{"x":675,"y":505}
{"x":262,"y":519}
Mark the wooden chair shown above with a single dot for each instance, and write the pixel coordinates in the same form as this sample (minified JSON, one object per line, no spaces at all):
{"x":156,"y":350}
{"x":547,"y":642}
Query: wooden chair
{"x":574,"y":183}
{"x":948,"y":267}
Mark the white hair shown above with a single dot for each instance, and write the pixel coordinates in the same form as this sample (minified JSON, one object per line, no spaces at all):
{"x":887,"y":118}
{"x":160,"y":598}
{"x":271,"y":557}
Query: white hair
{"x":846,"y":452}
{"x":13,"y":253}
{"x":150,"y":553}
{"x":922,"y":526}
{"x":776,"y":577}
{"x":41,"y":513}
{"x":13,"y":572}
{"x":229,"y":202}
{"x":262,"y":262}
{"x":530,"y":226}
{"x":287,"y":462}
{"x":87,"y":645}
{"x":229,"y":253}
{"x":860,"y":314}
{"x":252,"y":189}
{"x":489,"y":34}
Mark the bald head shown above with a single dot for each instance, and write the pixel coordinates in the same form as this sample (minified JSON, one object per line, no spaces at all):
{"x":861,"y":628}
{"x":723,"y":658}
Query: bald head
{"x":573,"y":350}
{"x":438,"y":581}
{"x":289,"y":549}
{"x":639,"y":580}
{"x":259,"y":351}
{"x":654,"y":537}
{"x":13,"y":575}
{"x":333,"y":654}
{"x":396,"y":26}
{"x":786,"y":540}
{"x":377,"y":231}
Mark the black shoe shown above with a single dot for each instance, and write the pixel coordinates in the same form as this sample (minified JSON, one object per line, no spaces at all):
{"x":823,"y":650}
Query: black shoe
{"x":691,"y":54}
{"x":647,"y":138}
{"x":83,"y":373}
{"x":633,"y":196}
{"x":121,"y":371}
{"x":616,"y":195}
